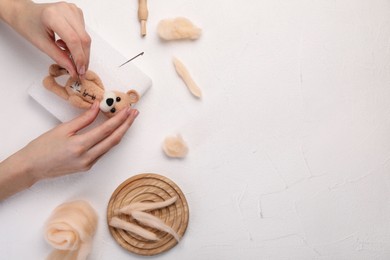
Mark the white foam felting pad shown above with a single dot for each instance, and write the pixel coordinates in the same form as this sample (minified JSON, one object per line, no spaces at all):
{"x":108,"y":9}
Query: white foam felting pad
{"x":105,"y":61}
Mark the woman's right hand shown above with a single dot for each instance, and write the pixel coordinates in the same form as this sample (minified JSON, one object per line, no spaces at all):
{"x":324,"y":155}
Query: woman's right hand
{"x":40,"y":23}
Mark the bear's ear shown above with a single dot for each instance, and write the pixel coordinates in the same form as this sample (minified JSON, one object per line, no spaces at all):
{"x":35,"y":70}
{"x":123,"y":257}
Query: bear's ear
{"x":56,"y":70}
{"x":134,"y":96}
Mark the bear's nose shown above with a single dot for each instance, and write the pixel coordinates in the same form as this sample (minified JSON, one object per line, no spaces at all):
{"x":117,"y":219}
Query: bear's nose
{"x":109,"y":101}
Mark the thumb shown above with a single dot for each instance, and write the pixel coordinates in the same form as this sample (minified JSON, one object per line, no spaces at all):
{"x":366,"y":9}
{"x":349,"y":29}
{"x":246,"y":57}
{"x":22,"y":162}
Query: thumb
{"x":84,"y":120}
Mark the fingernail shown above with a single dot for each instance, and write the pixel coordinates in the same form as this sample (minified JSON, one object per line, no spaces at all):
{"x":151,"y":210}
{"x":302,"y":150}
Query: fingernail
{"x":81,"y":71}
{"x":94,"y":105}
{"x":73,"y":74}
{"x":128,"y":111}
{"x":136,"y":113}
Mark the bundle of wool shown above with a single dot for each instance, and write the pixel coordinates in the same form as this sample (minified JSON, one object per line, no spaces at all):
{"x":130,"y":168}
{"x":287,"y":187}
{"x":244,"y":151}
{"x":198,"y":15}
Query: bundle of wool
{"x":70,"y":230}
{"x":179,"y":28}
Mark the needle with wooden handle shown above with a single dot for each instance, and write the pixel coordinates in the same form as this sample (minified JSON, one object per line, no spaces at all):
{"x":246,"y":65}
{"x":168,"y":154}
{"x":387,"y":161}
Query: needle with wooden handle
{"x":143,"y":15}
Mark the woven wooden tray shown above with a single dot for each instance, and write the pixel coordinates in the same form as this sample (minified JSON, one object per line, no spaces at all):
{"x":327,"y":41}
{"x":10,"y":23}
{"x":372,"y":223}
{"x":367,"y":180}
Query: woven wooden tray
{"x":149,"y":187}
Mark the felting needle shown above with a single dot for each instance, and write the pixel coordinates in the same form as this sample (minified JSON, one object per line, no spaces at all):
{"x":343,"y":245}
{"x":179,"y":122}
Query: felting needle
{"x":74,"y":65}
{"x":142,"y":53}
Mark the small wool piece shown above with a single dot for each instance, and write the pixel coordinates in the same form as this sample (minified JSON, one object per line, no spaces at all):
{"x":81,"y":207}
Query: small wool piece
{"x":136,"y":211}
{"x":154,"y":222}
{"x":185,"y":75}
{"x":133,"y":228}
{"x":174,"y":146}
{"x":147,"y":206}
{"x":179,"y":28}
{"x":70,"y":230}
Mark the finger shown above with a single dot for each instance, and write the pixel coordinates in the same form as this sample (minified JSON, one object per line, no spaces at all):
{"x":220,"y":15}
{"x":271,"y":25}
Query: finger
{"x":105,"y":145}
{"x":59,"y":55}
{"x":75,"y":19}
{"x":73,"y":43}
{"x":56,"y":49}
{"x":99,"y":133}
{"x":78,"y":25}
{"x":89,"y":163}
{"x":86,"y":48}
{"x":66,"y":20}
{"x":60,"y":43}
{"x":83,"y":120}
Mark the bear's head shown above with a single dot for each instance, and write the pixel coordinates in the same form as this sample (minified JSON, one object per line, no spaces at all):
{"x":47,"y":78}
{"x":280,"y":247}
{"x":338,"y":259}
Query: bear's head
{"x":115,"y":101}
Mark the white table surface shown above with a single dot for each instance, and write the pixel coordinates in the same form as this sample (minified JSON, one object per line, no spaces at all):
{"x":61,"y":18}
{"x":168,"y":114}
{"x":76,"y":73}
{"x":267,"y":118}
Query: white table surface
{"x":289,"y":148}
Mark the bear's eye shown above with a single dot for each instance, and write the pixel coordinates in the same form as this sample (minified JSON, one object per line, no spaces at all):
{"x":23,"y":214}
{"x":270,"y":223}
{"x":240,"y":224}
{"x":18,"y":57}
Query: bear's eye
{"x":118,"y":99}
{"x":113,"y":110}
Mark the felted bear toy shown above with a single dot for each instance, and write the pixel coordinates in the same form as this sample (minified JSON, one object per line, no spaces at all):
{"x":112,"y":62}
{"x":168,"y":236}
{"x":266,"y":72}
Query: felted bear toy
{"x":83,"y":94}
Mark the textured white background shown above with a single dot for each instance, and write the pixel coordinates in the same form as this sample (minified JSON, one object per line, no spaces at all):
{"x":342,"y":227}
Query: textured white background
{"x":289,"y":148}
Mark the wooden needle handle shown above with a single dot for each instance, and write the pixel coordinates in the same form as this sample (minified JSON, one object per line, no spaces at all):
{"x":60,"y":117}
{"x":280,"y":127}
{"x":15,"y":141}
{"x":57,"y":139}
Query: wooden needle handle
{"x":143,"y":15}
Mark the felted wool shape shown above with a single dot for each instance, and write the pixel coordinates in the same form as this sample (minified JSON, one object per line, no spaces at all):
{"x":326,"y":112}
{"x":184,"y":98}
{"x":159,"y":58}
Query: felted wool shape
{"x":90,"y":88}
{"x":175,"y":146}
{"x":70,"y":230}
{"x":179,"y":28}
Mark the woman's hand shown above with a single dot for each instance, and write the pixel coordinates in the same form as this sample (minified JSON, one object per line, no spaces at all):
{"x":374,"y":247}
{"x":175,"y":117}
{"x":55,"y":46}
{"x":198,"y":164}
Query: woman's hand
{"x":40,"y":23}
{"x":63,"y":150}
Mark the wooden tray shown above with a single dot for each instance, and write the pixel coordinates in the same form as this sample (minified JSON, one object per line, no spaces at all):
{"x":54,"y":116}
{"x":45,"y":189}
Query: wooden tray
{"x":149,"y":187}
